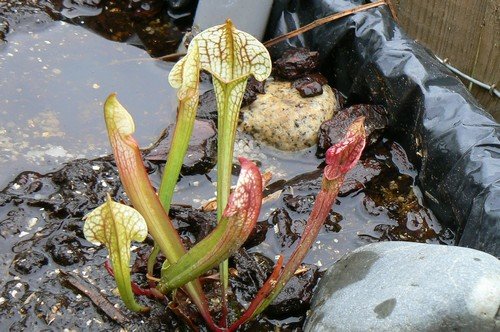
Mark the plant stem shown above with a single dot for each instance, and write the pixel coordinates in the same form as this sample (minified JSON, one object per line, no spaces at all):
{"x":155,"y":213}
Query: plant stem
{"x":228,"y":105}
{"x":178,"y":148}
{"x":275,"y":283}
{"x":152,"y":258}
{"x":136,"y":182}
{"x":321,"y":209}
{"x":237,"y":222}
{"x":123,"y":281}
{"x":340,"y":159}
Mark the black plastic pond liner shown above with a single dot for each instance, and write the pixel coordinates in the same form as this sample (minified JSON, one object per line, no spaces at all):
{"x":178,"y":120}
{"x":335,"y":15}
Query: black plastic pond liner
{"x":453,"y":141}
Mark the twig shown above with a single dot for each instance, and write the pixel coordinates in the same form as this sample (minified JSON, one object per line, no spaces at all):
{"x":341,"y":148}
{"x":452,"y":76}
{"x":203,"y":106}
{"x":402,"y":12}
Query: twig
{"x":169,"y":57}
{"x":392,"y":9}
{"x":321,"y":21}
{"x":95,"y":296}
{"x":179,"y":311}
{"x":172,"y":56}
{"x":307,"y":27}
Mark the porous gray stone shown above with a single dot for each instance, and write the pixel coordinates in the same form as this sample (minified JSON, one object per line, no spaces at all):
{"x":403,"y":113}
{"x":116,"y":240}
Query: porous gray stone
{"x":402,"y":286}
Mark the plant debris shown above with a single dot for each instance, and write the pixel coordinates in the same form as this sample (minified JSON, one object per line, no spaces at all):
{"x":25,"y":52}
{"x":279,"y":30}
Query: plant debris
{"x":330,"y":132}
{"x":296,"y":62}
{"x":201,"y":155}
{"x":310,"y":85}
{"x":97,"y":298}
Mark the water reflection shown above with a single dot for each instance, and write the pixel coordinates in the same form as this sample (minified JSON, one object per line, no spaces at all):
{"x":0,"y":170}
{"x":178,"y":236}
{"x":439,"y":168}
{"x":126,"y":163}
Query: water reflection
{"x":52,"y":85}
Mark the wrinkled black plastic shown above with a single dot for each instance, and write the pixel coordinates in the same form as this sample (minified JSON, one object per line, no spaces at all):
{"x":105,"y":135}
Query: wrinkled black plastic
{"x":453,"y":141}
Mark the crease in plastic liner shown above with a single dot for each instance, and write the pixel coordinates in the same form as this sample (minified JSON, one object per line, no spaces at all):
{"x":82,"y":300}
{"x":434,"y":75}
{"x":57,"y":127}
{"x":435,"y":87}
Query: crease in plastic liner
{"x":453,"y":142}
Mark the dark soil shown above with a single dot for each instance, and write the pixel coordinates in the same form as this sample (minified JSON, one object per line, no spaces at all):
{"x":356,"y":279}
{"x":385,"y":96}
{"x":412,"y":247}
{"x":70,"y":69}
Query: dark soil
{"x":201,"y":156}
{"x":46,"y":257}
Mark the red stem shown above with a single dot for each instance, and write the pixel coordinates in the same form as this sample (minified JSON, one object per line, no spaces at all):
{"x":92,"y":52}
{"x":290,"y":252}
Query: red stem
{"x":263,"y":293}
{"x":340,"y":158}
{"x":149,"y":292}
{"x":275,"y":283}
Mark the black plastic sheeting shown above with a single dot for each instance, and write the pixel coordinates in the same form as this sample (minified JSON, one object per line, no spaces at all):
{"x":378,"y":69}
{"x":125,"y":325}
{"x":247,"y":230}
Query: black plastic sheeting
{"x":454,"y":142}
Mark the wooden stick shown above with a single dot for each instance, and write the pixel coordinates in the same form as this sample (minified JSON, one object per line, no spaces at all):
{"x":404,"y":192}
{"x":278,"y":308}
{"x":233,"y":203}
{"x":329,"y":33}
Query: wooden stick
{"x":307,"y":27}
{"x":321,"y":21}
{"x":95,"y":296}
{"x":172,"y":56}
{"x":393,"y":9}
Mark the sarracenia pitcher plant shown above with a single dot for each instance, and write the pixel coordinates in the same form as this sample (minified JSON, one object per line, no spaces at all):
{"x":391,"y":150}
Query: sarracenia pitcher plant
{"x":231,"y":56}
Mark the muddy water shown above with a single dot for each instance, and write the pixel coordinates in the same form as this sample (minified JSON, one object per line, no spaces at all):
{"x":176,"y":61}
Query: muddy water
{"x":52,"y":85}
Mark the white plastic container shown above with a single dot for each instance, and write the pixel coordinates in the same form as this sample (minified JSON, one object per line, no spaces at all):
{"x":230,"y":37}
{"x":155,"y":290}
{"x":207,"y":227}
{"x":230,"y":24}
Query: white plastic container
{"x":247,"y":15}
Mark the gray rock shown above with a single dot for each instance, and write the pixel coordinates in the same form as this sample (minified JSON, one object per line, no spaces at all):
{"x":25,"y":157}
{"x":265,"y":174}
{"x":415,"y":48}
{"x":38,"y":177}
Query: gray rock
{"x":402,"y":286}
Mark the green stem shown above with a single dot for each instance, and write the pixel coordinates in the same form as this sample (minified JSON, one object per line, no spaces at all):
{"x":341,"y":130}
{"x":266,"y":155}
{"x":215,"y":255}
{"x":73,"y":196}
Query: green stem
{"x":123,"y":281}
{"x":178,"y":148}
{"x":152,"y":258}
{"x":187,"y":269}
{"x":229,"y":98}
{"x":228,"y":104}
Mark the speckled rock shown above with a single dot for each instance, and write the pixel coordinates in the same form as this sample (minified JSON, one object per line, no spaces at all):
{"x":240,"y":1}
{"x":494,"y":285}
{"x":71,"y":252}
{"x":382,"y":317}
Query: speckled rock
{"x":402,"y":286}
{"x":285,"y":120}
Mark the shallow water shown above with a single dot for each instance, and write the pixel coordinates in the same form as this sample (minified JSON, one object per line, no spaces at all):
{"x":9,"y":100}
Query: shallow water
{"x":52,"y":85}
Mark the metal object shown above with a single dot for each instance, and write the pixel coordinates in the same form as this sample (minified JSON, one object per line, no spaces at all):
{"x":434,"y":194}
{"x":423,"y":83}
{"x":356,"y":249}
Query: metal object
{"x":491,"y":88}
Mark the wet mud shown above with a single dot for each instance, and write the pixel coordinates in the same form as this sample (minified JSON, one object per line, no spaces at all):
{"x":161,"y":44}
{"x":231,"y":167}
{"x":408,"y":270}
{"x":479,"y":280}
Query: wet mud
{"x":44,"y":251}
